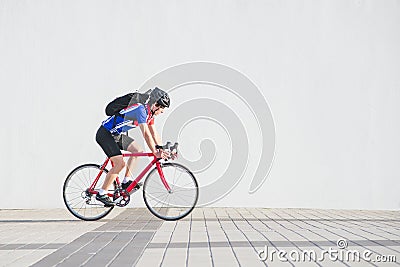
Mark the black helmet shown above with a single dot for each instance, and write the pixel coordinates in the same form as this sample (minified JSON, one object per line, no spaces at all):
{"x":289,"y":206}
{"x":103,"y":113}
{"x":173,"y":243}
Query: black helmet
{"x":160,"y":97}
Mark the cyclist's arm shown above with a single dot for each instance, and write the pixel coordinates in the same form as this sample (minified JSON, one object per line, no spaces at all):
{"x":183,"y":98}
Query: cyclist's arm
{"x":140,"y":115}
{"x":148,"y":137}
{"x":157,"y":138}
{"x":155,"y":135}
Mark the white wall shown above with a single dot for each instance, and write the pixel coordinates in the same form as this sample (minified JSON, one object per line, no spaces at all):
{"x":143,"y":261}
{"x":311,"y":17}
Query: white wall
{"x":330,"y":71}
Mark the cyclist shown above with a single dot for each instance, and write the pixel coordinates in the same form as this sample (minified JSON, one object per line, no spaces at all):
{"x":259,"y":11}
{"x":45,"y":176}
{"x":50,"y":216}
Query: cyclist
{"x":109,"y":136}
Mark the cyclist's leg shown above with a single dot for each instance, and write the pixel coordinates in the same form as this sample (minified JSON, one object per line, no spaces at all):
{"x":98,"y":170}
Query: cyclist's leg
{"x":107,"y":142}
{"x":119,"y":164}
{"x":127,"y":143}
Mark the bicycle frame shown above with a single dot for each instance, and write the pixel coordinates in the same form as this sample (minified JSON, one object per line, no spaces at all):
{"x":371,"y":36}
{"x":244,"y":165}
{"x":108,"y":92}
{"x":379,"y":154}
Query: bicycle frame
{"x":155,"y":161}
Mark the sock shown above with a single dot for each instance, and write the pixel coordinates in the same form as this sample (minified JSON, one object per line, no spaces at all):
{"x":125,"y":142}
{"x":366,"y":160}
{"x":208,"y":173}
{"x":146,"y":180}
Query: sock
{"x":126,"y":179}
{"x":102,"y":191}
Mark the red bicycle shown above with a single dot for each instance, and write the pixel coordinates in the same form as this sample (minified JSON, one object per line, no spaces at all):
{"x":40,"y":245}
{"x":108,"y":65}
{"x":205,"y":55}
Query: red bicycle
{"x":170,"y":190}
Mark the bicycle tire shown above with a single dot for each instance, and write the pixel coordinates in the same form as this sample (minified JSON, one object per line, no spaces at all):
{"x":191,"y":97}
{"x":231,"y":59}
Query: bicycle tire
{"x":104,"y":211}
{"x":154,"y":178}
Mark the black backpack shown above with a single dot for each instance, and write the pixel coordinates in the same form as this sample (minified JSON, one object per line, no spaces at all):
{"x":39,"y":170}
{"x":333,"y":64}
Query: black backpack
{"x":118,"y":104}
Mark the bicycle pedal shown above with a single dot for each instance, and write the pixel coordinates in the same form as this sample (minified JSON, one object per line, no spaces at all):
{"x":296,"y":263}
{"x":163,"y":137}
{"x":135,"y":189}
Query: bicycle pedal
{"x":118,"y":199}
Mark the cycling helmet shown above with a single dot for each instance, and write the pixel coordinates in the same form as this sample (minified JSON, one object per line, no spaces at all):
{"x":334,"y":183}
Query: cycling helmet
{"x":160,"y":97}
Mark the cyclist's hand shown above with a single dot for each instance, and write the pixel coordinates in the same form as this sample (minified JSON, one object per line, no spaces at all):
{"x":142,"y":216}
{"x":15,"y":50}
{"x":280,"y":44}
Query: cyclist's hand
{"x":174,"y":155}
{"x":162,"y":154}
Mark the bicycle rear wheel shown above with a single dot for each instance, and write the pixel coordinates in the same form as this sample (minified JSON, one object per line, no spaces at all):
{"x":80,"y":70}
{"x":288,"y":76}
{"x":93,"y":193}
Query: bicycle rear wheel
{"x":179,"y":201}
{"x":78,"y":200}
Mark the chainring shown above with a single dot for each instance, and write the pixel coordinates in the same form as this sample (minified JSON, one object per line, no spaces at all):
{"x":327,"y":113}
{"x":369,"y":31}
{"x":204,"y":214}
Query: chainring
{"x":121,"y":197}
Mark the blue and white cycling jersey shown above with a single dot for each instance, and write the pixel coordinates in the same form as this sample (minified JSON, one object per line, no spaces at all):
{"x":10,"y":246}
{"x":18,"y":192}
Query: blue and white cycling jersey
{"x":131,"y":117}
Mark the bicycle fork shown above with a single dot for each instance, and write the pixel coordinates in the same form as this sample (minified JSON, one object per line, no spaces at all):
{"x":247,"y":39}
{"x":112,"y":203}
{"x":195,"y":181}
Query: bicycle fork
{"x":160,"y":172}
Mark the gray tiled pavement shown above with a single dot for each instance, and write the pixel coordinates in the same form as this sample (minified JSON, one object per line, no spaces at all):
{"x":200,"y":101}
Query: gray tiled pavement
{"x":208,"y":237}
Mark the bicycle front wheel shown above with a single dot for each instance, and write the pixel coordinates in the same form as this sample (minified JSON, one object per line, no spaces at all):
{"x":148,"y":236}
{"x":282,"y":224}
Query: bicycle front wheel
{"x":78,"y":200}
{"x":179,"y":201}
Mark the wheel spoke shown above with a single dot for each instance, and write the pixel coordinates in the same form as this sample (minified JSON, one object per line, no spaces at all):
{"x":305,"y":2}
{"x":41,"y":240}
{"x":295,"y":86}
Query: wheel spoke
{"x":174,"y":176}
{"x":76,"y":185}
{"x":157,"y":201}
{"x":82,"y":179}
{"x":184,"y":190}
{"x":173,"y":205}
{"x":179,"y":196}
{"x":70,"y":186}
{"x":191,"y":182}
{"x":75,"y":198}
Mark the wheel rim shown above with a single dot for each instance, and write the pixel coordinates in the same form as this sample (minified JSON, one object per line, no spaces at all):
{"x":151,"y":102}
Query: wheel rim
{"x":76,"y":197}
{"x":175,"y":204}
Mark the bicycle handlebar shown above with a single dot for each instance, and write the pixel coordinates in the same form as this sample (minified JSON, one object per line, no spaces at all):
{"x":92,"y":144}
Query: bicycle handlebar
{"x":169,"y":147}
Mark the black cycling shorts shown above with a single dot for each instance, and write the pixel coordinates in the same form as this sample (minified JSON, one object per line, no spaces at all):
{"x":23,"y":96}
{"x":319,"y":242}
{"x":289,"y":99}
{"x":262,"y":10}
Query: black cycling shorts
{"x":111,"y":144}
